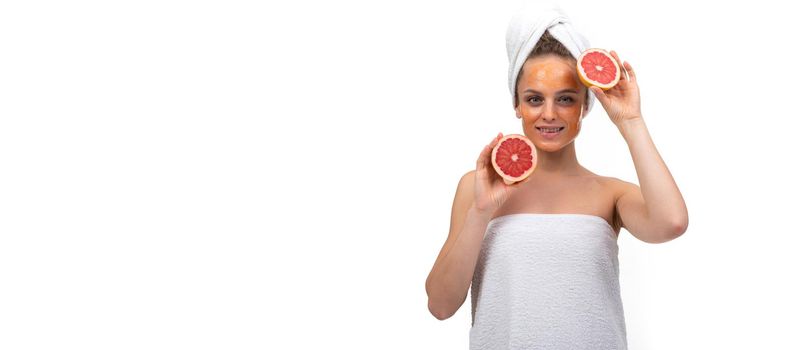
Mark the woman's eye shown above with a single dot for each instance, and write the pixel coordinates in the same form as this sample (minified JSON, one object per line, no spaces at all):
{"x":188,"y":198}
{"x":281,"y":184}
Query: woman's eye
{"x":566,"y":100}
{"x":532,"y":99}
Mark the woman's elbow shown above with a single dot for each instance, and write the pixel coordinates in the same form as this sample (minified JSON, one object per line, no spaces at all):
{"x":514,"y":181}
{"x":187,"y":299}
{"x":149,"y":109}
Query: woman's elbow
{"x":441,"y":313}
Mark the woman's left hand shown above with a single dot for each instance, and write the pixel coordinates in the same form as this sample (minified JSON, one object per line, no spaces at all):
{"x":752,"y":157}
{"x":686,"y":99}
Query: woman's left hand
{"x":622,"y":101}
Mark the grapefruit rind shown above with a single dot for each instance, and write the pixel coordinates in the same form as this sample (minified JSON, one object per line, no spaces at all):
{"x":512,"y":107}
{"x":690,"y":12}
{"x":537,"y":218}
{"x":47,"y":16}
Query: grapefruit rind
{"x":588,"y":82}
{"x":507,"y":179}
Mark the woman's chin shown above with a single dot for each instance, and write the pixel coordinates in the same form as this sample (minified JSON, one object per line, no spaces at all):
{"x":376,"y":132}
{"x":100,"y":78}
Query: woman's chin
{"x":547,"y":148}
{"x":549,"y":145}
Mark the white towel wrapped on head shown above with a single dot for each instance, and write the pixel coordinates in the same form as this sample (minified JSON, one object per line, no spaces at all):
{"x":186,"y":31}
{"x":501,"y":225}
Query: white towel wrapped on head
{"x":525,"y":29}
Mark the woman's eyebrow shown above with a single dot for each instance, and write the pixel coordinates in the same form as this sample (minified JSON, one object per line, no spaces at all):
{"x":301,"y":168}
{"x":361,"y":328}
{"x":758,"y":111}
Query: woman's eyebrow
{"x":559,"y":92}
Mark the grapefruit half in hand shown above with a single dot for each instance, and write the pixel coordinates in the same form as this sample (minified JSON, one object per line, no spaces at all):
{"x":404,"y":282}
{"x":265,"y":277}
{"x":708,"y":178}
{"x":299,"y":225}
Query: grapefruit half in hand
{"x":514,"y":158}
{"x":597,"y":67}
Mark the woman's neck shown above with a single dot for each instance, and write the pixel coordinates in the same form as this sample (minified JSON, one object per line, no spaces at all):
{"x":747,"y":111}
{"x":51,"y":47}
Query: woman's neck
{"x":561,"y":162}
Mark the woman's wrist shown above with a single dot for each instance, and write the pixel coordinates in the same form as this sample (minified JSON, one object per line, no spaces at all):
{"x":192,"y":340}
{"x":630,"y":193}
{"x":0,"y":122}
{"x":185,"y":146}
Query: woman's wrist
{"x":627,"y":126}
{"x":482,"y":213}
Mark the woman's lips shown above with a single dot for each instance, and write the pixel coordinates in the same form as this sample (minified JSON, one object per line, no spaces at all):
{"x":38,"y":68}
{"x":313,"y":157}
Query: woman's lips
{"x":549,"y":135}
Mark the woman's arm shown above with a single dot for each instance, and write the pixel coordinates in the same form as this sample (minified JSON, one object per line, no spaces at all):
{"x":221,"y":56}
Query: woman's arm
{"x":479,"y":194}
{"x":448,"y":283}
{"x":657,"y":213}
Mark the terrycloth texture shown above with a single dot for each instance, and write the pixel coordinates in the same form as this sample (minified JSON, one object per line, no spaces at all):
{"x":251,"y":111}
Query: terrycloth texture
{"x":547,"y":281}
{"x":525,"y":29}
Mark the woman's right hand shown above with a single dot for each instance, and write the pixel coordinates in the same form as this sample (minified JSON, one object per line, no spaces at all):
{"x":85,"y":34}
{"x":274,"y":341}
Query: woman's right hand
{"x":490,"y":191}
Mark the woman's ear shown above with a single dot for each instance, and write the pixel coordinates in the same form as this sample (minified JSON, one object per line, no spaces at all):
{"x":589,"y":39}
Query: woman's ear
{"x":586,"y":103}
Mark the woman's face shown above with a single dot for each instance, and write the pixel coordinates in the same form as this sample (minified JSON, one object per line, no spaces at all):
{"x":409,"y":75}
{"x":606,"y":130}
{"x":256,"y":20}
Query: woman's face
{"x":550,"y":95}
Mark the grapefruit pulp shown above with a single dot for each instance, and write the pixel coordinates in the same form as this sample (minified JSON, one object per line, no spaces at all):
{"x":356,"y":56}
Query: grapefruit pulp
{"x":514,"y":158}
{"x":597,"y":67}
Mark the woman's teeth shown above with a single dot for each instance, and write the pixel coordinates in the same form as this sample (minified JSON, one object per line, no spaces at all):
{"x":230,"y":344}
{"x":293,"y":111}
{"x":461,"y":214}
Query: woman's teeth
{"x":550,"y":133}
{"x":550,"y":129}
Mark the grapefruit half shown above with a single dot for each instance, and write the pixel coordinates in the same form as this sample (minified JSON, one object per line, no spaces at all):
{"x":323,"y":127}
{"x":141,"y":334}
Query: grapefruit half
{"x":514,"y":158}
{"x":597,"y":67}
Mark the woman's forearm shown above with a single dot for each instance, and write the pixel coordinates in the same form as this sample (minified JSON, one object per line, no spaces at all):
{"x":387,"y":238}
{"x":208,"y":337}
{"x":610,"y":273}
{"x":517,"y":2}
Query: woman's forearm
{"x":664,"y":202}
{"x":448,"y":283}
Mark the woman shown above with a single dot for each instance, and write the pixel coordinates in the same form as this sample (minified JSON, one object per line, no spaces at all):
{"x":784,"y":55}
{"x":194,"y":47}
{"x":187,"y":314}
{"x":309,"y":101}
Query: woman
{"x":541,"y":256}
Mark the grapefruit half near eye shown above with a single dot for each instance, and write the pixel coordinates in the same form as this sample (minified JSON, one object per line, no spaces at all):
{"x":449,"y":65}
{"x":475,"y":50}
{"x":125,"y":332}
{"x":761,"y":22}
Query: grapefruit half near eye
{"x":597,"y":67}
{"x":514,"y":158}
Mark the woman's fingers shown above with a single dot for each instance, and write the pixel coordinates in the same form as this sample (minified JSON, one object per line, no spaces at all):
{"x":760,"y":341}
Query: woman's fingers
{"x":486,"y":155}
{"x":620,"y":64}
{"x":600,"y":95}
{"x":481,"y":161}
{"x":495,"y":140}
{"x":630,"y":71}
{"x":618,"y":60}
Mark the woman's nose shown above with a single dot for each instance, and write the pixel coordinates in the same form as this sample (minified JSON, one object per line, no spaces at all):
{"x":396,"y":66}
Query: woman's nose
{"x":549,"y":113}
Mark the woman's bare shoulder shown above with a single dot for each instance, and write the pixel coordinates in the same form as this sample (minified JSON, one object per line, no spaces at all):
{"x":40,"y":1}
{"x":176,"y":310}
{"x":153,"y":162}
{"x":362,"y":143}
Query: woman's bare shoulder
{"x":613,"y":188}
{"x":613,"y":184}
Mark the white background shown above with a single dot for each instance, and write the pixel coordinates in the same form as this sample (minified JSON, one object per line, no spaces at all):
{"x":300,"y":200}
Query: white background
{"x":238,"y":175}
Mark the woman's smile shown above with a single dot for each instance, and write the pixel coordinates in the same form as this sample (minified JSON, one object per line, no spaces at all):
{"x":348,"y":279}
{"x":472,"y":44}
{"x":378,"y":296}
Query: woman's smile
{"x":549,"y":133}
